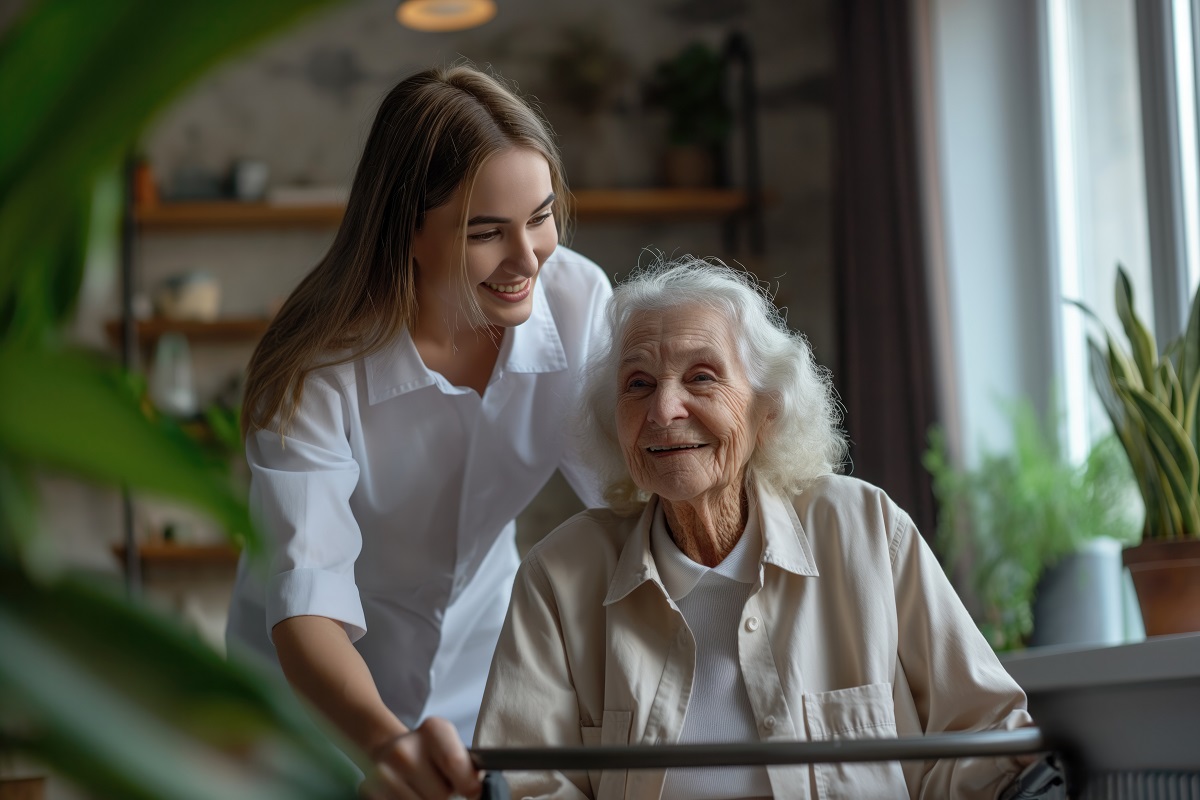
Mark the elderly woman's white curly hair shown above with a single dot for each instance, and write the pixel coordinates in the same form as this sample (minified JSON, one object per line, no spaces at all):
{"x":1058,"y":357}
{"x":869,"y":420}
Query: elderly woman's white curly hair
{"x":804,"y":439}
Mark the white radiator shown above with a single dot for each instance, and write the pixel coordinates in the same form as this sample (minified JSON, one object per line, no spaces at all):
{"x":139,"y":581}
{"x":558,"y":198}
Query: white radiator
{"x":1142,"y":786}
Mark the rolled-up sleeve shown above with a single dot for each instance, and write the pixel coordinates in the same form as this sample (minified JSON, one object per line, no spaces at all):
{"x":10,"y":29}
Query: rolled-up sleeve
{"x":955,"y":680}
{"x":301,"y":486}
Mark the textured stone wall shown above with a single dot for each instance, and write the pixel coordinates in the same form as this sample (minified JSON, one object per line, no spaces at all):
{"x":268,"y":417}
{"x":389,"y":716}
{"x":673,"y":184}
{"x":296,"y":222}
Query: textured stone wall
{"x":302,"y":103}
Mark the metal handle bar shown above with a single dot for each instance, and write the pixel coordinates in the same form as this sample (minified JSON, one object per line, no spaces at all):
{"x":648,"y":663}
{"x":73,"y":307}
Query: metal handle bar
{"x":742,"y":754}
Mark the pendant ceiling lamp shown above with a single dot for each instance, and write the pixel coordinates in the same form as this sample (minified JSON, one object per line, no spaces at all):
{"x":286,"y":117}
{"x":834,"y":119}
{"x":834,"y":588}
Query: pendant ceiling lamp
{"x":444,"y":15}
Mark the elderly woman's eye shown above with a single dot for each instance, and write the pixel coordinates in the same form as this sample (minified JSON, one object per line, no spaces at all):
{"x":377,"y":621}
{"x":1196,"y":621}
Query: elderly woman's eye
{"x":703,"y":376}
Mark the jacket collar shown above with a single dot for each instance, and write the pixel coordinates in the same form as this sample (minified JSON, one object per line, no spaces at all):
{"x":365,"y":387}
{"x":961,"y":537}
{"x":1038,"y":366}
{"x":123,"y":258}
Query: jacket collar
{"x":531,"y":347}
{"x":785,"y":545}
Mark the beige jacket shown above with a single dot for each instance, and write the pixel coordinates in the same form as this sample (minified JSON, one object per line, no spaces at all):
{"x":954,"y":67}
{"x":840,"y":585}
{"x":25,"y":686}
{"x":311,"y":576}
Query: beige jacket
{"x":854,"y":633}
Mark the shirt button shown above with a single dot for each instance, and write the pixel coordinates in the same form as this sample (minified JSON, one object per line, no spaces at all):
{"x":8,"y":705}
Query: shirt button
{"x":752,"y":624}
{"x":769,"y":723}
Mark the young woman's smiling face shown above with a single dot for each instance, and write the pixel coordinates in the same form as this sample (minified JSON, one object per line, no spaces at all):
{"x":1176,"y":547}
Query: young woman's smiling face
{"x":509,"y":235}
{"x":687,"y":417}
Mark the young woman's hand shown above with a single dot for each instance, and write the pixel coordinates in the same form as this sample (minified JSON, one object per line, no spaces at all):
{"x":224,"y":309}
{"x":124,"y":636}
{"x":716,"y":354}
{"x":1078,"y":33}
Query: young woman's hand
{"x":429,"y":762}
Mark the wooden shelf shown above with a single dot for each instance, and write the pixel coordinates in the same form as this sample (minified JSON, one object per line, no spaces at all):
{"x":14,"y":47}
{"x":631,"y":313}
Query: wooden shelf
{"x":632,"y":204}
{"x":590,"y":204}
{"x":164,"y":552}
{"x":232,"y":329}
{"x":233,"y":214}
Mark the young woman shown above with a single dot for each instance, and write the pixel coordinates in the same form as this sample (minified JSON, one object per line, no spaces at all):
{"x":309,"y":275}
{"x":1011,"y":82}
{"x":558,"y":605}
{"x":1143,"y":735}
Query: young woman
{"x":406,"y":403}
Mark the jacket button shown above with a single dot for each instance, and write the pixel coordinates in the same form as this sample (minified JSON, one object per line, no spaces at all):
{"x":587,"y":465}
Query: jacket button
{"x":769,"y":723}
{"x":752,"y":624}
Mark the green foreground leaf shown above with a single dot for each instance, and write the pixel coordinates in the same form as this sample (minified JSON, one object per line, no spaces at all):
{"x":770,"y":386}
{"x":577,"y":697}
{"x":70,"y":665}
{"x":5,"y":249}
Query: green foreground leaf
{"x":125,"y":704}
{"x":70,"y":411}
{"x":79,"y":80}
{"x":93,"y":686}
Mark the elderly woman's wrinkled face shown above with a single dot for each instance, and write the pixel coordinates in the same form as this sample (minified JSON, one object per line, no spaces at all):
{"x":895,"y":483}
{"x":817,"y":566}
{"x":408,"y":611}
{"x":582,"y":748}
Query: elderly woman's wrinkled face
{"x":687,"y":418}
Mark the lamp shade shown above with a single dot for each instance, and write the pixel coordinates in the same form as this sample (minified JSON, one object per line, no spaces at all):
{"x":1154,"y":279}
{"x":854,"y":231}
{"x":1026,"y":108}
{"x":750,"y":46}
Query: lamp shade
{"x":444,"y":15}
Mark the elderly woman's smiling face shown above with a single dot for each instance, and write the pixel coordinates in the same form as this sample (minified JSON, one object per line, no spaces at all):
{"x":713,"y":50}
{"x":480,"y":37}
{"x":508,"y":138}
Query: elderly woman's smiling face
{"x":687,"y":417}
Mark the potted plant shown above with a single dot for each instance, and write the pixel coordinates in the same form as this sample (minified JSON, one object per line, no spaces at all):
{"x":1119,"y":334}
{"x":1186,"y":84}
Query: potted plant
{"x":691,"y":87}
{"x":1021,"y":516}
{"x":586,"y":69}
{"x":586,"y":76}
{"x":1153,"y":401}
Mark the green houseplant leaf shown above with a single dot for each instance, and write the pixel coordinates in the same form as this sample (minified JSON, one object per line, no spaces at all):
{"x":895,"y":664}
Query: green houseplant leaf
{"x":1189,"y":371}
{"x":1174,"y":457}
{"x":1152,"y":402}
{"x":691,"y":87}
{"x":77,"y":91}
{"x":92,"y":685}
{"x":69,"y":411}
{"x":1145,"y":357}
{"x":79,"y":79}
{"x":161,"y":715}
{"x":1104,"y":368}
{"x":1017,"y":513}
{"x":1172,"y":391}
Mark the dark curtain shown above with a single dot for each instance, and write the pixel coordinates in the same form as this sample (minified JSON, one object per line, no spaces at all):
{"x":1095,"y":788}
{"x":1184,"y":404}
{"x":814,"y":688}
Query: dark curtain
{"x":885,"y":369}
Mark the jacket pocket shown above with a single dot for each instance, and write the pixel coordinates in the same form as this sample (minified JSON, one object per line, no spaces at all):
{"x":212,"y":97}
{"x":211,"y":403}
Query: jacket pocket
{"x":613,"y":731}
{"x":861,"y":712}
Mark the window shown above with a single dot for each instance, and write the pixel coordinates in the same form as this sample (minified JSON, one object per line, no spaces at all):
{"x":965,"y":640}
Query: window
{"x":1120,"y":83}
{"x":1185,"y":23}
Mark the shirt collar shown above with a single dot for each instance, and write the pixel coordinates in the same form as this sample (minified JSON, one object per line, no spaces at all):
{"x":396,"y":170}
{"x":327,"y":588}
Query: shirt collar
{"x":531,"y":347}
{"x":635,"y":565}
{"x":680,"y":574}
{"x":784,"y":544}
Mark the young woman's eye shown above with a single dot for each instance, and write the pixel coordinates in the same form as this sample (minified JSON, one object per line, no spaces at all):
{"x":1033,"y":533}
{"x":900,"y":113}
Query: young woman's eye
{"x":486,"y":236}
{"x":540,"y":218}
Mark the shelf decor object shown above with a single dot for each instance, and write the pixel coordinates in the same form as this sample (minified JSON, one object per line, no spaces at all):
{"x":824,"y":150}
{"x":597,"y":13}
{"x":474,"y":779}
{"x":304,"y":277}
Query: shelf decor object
{"x":691,"y":87}
{"x":601,"y":205}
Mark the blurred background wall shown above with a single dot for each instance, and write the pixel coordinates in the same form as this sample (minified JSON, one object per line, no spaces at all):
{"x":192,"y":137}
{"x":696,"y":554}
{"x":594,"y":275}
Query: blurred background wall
{"x":301,"y":105}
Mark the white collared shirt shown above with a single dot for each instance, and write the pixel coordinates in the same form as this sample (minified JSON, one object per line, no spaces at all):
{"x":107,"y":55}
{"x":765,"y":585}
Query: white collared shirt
{"x":391,"y":504}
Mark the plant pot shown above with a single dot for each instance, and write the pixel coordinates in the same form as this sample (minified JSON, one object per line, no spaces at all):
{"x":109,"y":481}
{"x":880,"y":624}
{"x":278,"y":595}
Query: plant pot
{"x":1166,"y":575}
{"x":1079,"y":599}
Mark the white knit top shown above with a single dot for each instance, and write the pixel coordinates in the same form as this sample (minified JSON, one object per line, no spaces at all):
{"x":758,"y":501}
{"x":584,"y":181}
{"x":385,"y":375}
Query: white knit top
{"x":712,"y":601}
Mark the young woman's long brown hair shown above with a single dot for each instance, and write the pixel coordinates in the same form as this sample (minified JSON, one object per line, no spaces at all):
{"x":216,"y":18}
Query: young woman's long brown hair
{"x":432,"y":134}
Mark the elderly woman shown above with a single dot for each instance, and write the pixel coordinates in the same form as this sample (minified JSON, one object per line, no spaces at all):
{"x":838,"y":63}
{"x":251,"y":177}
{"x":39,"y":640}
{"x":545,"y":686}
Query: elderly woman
{"x":737,"y":590}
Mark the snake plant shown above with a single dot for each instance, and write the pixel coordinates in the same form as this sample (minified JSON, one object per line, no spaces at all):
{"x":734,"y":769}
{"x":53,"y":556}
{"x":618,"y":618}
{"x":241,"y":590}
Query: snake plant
{"x":1152,"y":400}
